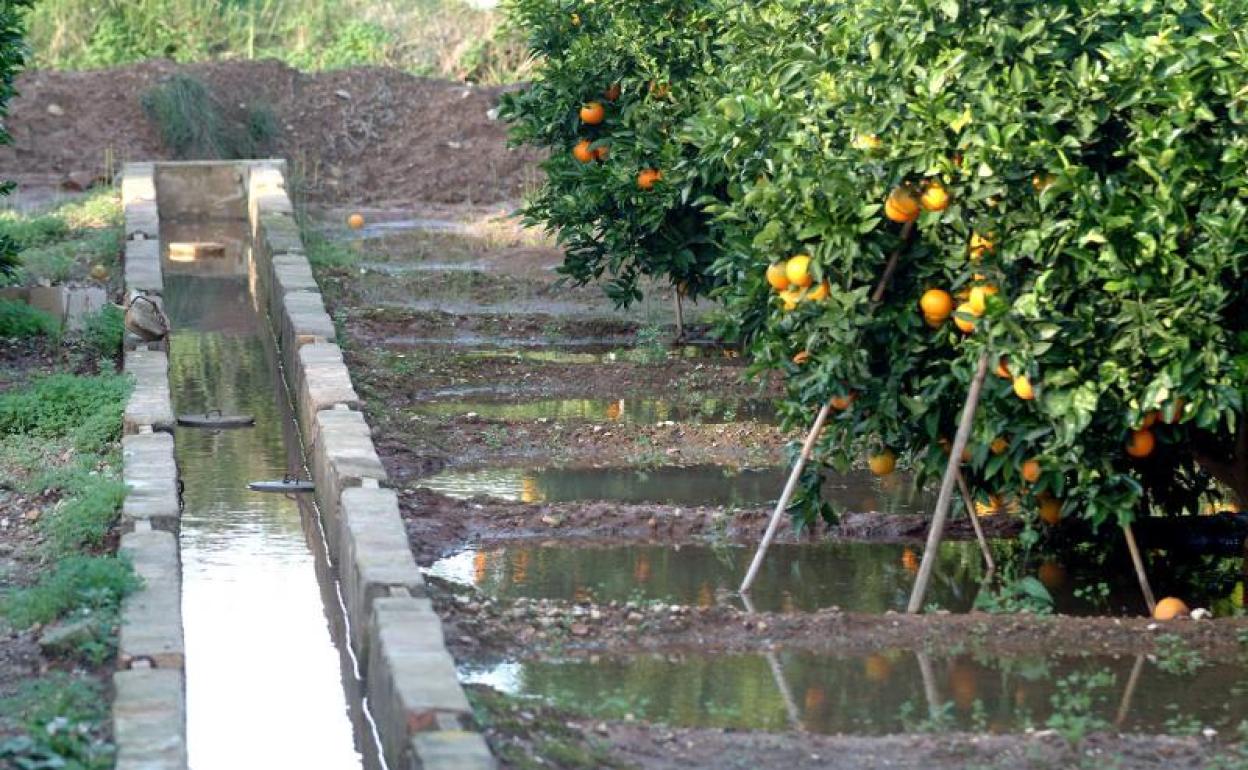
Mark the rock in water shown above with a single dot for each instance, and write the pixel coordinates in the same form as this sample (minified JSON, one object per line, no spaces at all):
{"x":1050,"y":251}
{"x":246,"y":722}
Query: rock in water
{"x":145,"y":318}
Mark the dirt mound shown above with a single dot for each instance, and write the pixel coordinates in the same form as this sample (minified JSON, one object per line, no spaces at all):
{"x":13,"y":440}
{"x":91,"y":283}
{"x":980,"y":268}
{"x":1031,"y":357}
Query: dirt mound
{"x":360,"y":135}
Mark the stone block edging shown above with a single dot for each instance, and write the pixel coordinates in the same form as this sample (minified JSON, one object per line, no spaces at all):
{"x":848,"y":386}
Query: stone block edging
{"x":149,"y":701}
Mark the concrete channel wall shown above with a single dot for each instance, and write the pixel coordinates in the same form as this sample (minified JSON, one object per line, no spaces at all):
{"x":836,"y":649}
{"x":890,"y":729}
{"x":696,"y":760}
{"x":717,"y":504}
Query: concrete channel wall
{"x":149,"y":705}
{"x":422,"y":714}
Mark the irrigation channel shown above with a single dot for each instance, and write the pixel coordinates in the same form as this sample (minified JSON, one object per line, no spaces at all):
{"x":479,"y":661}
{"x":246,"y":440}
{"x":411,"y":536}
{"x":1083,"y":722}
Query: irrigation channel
{"x":269,"y":683}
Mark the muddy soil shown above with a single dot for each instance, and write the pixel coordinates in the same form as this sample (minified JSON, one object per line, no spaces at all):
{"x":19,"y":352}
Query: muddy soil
{"x":361,"y":135}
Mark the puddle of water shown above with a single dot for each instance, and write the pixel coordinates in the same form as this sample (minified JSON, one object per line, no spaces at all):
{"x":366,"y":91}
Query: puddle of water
{"x":408,"y":268}
{"x":857,"y":577}
{"x":265,"y":684}
{"x":889,"y":692}
{"x":709,"y":411}
{"x":671,"y":485}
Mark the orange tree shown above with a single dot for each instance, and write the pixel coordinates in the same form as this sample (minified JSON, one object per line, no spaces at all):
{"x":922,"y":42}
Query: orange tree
{"x":1075,"y":177}
{"x":616,"y":79}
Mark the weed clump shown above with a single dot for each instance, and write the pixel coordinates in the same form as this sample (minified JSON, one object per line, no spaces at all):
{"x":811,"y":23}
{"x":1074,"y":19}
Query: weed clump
{"x":193,"y":125}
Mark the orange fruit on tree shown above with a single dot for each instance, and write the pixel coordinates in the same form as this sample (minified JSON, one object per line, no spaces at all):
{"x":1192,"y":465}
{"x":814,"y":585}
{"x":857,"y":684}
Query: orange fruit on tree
{"x":801,"y":357}
{"x":1031,"y":471}
{"x":612,"y":93}
{"x":575,"y":19}
{"x":648,"y":178}
{"x":935,"y":197}
{"x":999,"y":445}
{"x":791,"y":297}
{"x":593,"y":113}
{"x":797,"y":270}
{"x":1169,"y":608}
{"x":883,"y":463}
{"x":933,"y":321}
{"x":601,"y":152}
{"x":867,"y":142}
{"x":979,"y":246}
{"x":1050,"y":510}
{"x":841,"y":403}
{"x":978,"y":299}
{"x":1149,"y":420}
{"x":582,"y":151}
{"x":937,"y":304}
{"x":1023,"y":389}
{"x":965,"y":324}
{"x":820,"y":292}
{"x":1003,"y":369}
{"x":776,"y":276}
{"x":1141,"y":443}
{"x":901,"y":206}
{"x":355,"y":221}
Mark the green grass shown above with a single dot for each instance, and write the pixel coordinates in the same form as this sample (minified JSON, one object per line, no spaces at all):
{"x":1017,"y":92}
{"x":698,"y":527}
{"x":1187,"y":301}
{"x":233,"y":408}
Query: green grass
{"x":103,"y":331}
{"x":21,"y":321}
{"x":83,"y":520}
{"x":442,"y":38}
{"x":194,"y":125}
{"x":66,"y":240}
{"x":75,"y":584}
{"x":65,"y":719}
{"x":85,"y":410}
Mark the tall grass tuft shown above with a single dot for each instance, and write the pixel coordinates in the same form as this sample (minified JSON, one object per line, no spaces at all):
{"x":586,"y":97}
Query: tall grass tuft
{"x":194,"y":126}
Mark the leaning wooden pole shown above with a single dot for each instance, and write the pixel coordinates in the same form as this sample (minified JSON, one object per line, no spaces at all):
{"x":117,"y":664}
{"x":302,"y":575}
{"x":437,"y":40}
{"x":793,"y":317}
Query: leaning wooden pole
{"x":813,"y":436}
{"x":969,"y":502}
{"x":680,"y":314}
{"x":945,"y":498}
{"x":783,"y":503}
{"x":1138,"y":561}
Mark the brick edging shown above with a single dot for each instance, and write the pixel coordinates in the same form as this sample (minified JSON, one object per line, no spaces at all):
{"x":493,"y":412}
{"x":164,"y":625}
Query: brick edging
{"x":422,"y":715}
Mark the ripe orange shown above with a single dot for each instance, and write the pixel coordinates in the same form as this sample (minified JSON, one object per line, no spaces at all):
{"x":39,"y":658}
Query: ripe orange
{"x":1023,"y":389}
{"x":1169,"y":608}
{"x":355,"y":221}
{"x":936,"y":304}
{"x":602,"y":151}
{"x":901,"y":206}
{"x":592,"y":113}
{"x":999,"y":445}
{"x":965,"y":324}
{"x":1003,"y":369}
{"x":801,"y":357}
{"x":582,"y":151}
{"x":648,"y":178}
{"x":979,"y":298}
{"x":841,"y":403}
{"x":575,"y":19}
{"x":933,"y":322}
{"x":819,"y":293}
{"x":797,"y":270}
{"x":883,"y":463}
{"x":1050,"y":510}
{"x":1031,"y":471}
{"x":979,"y":246}
{"x":1141,"y":443}
{"x":776,"y":277}
{"x":612,"y":93}
{"x":791,"y":297}
{"x":935,"y":197}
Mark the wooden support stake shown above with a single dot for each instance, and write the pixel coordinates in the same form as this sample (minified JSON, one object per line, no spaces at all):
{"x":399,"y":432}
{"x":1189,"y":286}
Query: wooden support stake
{"x":969,"y":502}
{"x":1138,"y":561}
{"x":815,"y":429}
{"x":945,"y":498}
{"x":680,"y":315}
{"x":783,"y":503}
{"x":1124,"y":706}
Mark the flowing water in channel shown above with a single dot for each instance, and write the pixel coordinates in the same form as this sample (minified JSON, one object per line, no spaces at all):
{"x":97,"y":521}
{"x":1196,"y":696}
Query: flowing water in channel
{"x":265,"y":680}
